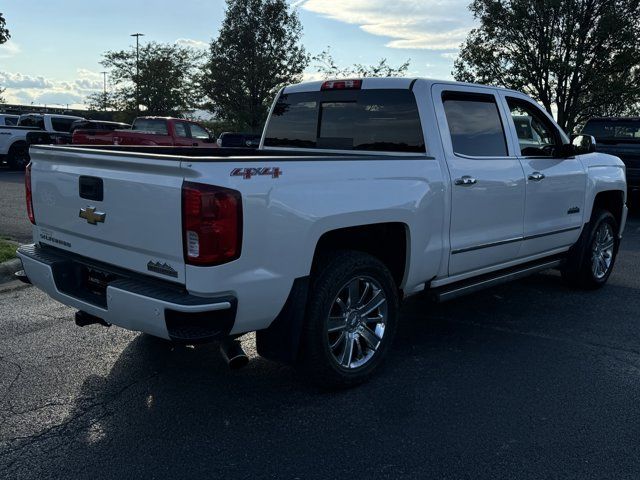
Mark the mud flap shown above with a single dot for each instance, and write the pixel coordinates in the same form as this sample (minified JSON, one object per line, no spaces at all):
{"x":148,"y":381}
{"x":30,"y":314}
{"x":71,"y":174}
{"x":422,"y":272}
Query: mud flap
{"x":281,"y":341}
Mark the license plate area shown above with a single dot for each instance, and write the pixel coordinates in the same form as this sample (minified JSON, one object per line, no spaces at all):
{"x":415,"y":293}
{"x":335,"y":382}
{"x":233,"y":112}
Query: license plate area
{"x":83,"y":282}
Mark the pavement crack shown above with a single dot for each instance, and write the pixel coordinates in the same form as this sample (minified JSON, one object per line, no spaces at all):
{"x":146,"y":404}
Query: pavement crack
{"x":66,"y":426}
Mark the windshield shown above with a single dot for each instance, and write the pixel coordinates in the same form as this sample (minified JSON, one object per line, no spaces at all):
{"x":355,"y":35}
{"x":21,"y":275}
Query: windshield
{"x":614,"y":130}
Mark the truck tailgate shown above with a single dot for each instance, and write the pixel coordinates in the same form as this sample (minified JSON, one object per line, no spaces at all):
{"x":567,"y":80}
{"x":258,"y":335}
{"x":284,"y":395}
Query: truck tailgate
{"x":121,"y":209}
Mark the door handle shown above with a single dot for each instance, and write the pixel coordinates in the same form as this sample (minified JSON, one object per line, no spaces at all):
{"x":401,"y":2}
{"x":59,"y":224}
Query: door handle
{"x":536,"y":176}
{"x":465,"y":181}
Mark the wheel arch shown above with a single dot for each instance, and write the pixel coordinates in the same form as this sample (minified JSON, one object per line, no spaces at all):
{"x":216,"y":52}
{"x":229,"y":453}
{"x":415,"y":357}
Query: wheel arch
{"x":389,"y":242}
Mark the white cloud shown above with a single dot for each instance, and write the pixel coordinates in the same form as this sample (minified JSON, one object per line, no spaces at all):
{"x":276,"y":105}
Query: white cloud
{"x":450,"y":55}
{"x":189,"y":42}
{"x":414,"y":24}
{"x":38,"y":90}
{"x":9,"y":49}
{"x":17,"y":80}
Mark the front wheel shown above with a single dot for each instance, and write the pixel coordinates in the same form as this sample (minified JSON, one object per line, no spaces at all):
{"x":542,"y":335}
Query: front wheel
{"x":590,"y":265}
{"x":351,"y":320}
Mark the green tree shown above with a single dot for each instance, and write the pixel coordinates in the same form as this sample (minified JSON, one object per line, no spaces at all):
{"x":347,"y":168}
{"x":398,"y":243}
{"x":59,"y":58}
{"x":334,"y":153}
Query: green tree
{"x":257,"y":51}
{"x":578,"y":58}
{"x":4,"y":36}
{"x":327,"y":66}
{"x":166,"y":80}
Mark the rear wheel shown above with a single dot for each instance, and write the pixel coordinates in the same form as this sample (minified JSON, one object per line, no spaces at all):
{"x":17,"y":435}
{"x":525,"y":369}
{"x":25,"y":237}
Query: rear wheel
{"x":18,"y":156}
{"x":351,"y":320}
{"x":591,"y":261}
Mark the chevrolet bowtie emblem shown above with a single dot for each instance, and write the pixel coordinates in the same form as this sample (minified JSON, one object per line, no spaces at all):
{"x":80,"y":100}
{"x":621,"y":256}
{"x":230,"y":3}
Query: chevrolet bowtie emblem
{"x":91,"y":216}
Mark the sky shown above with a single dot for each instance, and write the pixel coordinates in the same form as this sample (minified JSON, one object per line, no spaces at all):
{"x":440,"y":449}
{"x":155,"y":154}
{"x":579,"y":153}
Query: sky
{"x":54,"y":53}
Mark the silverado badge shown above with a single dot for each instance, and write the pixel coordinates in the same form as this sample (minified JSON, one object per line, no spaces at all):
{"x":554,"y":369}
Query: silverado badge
{"x":92,"y":216}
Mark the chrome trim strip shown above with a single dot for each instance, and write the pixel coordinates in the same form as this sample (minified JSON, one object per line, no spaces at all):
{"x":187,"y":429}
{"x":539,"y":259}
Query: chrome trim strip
{"x":512,"y":240}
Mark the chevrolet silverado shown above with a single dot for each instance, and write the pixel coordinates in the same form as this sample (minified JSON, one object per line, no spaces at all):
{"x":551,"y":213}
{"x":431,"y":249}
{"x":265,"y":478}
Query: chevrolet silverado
{"x":362,"y":193}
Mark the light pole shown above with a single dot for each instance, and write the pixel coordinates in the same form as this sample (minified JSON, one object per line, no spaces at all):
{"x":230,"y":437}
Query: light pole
{"x":137,"y":35}
{"x":104,"y":93}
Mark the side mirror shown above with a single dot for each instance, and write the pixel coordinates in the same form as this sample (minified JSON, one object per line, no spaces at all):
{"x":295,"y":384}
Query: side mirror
{"x":584,"y":144}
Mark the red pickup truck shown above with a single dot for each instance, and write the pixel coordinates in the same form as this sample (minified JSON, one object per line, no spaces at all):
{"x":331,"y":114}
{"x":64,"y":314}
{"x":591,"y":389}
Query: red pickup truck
{"x":159,"y":131}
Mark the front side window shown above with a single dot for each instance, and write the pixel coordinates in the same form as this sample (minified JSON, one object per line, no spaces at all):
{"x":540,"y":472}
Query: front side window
{"x":199,"y":132}
{"x":364,"y":120}
{"x":474,"y":124}
{"x":181,"y":129}
{"x":536,"y":135}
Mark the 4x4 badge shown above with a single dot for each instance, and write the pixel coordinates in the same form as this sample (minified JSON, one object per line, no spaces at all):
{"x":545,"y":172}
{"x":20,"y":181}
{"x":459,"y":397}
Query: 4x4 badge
{"x":247,"y":173}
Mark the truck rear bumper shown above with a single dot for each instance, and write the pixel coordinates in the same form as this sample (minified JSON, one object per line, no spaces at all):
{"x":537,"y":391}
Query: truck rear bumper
{"x":130,"y":301}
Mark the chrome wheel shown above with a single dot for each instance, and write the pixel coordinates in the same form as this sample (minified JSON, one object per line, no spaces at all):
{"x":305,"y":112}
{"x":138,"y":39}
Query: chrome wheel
{"x":602,"y":251}
{"x":356,"y":322}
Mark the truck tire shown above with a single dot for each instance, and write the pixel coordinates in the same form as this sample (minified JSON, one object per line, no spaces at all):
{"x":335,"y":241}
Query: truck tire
{"x":592,"y":258}
{"x":352,"y":315}
{"x":18,"y":156}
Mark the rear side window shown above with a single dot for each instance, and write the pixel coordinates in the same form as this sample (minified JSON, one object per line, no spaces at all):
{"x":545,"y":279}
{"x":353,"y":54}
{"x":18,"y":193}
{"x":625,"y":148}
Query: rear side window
{"x":373,"y":120}
{"x":474,"y":124}
{"x":10,"y":120}
{"x":151,"y":125}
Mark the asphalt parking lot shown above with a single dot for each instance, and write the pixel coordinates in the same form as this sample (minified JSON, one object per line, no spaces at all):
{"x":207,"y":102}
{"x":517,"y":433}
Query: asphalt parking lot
{"x":527,"y":380}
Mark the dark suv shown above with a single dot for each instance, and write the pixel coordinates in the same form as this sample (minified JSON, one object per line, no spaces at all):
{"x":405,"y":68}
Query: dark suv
{"x":619,"y":136}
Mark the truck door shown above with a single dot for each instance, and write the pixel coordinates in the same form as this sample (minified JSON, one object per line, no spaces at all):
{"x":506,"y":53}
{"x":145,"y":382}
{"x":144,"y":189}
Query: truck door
{"x":487,"y":180}
{"x":555,"y":185}
{"x":181,"y":134}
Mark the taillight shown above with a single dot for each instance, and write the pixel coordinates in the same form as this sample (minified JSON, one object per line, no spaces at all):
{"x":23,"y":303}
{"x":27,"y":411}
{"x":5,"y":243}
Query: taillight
{"x":29,"y":195}
{"x":342,"y":85}
{"x":211,"y":224}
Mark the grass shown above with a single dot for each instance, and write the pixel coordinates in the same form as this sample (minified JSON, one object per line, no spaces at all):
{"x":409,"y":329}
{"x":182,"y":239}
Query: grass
{"x":7,"y":250}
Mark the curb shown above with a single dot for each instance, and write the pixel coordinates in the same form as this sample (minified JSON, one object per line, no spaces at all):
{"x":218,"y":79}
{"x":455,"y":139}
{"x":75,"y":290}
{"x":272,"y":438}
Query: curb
{"x":8,"y":269}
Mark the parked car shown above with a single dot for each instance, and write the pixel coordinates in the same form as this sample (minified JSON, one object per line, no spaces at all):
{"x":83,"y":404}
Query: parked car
{"x":238,"y":140}
{"x":13,"y":139}
{"x":159,"y":131}
{"x":364,"y":192}
{"x":8,"y":120}
{"x":619,"y":136}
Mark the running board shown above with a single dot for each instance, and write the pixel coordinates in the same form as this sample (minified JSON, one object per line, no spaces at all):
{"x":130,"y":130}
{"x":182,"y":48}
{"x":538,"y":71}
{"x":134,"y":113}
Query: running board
{"x":465,"y":287}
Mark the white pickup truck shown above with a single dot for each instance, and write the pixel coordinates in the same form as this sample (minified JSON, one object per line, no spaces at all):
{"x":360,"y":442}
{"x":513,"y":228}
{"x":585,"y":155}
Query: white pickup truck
{"x":363,"y":192}
{"x":13,"y":138}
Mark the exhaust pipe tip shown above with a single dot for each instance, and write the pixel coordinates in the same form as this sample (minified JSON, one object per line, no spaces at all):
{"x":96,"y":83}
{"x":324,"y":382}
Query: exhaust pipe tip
{"x":233,"y":354}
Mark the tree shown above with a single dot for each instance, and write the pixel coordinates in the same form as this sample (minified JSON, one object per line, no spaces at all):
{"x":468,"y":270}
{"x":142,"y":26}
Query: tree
{"x":257,"y":51}
{"x":579,"y":58}
{"x":166,"y":79}
{"x":4,"y":36}
{"x":326,"y":65}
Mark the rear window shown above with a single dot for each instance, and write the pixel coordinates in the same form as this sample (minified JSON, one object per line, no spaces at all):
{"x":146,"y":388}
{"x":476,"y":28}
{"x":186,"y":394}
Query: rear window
{"x":620,"y":130}
{"x":60,"y":124}
{"x":374,"y":120}
{"x":31,"y":121}
{"x":158,"y":126}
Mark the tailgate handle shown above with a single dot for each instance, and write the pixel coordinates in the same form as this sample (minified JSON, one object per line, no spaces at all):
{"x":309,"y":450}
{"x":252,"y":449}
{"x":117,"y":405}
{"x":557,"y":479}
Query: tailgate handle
{"x":91,"y":188}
